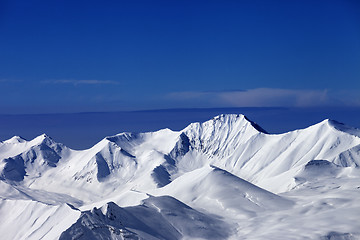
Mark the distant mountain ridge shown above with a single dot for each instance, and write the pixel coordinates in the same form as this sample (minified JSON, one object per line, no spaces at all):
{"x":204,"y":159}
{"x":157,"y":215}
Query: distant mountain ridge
{"x":228,"y":164}
{"x":231,"y":142}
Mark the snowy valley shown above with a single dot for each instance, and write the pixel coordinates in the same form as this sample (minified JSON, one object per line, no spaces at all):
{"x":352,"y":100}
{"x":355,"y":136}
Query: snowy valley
{"x":226,"y":178}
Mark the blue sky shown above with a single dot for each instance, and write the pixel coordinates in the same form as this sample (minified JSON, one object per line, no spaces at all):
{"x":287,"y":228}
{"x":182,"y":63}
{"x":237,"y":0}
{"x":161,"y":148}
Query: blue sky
{"x":75,"y":56}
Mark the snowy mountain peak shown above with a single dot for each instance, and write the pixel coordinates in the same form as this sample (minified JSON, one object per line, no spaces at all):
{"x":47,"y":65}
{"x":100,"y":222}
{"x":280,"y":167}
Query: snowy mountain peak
{"x":211,"y":180}
{"x":228,"y":118}
{"x":125,"y":136}
{"x":342,"y":127}
{"x":29,"y":158}
{"x":15,"y":139}
{"x":226,"y":122}
{"x":42,"y":136}
{"x":222,"y":134}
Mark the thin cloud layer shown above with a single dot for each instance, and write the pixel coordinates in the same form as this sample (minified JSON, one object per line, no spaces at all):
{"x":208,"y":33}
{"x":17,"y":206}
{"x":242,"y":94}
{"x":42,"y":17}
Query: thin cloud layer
{"x":267,"y":97}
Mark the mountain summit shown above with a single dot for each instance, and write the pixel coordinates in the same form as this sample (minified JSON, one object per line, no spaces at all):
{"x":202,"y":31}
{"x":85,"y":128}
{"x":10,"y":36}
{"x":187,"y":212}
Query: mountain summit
{"x":219,"y":172}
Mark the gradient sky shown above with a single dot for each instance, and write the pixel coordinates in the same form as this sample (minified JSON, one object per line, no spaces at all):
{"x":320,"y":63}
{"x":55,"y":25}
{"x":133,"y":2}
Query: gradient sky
{"x":74,"y":56}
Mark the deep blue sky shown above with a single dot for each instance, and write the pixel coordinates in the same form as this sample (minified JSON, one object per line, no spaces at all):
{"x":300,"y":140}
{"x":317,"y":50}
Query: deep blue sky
{"x":75,"y":56}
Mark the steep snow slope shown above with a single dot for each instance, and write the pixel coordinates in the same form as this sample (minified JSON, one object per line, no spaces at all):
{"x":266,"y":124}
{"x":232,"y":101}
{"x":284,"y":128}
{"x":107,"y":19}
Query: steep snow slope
{"x":271,"y":161}
{"x":217,"y":191}
{"x":227,"y":178}
{"x":326,"y":207}
{"x":156,"y":218}
{"x":149,"y":160}
{"x":126,"y":160}
{"x":20,"y":158}
{"x":25,"y":219}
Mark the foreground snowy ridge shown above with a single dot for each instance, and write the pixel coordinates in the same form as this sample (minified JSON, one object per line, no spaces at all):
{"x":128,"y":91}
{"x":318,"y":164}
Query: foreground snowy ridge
{"x":226,"y":178}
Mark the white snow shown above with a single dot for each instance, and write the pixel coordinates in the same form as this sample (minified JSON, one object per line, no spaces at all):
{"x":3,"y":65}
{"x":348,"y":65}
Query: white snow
{"x":222,"y":179}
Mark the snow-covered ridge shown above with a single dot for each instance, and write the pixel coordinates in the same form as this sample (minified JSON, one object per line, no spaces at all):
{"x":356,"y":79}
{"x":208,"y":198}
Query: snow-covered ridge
{"x":231,"y":142}
{"x":14,"y":140}
{"x":228,"y":166}
{"x":20,"y":158}
{"x":343,"y":128}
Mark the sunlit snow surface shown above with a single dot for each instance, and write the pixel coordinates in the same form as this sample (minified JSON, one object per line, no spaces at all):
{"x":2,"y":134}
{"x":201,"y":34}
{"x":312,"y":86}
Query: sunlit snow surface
{"x":222,"y":179}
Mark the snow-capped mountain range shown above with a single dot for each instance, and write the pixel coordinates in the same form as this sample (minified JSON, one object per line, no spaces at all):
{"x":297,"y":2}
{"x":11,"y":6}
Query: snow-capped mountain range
{"x":226,"y":178}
